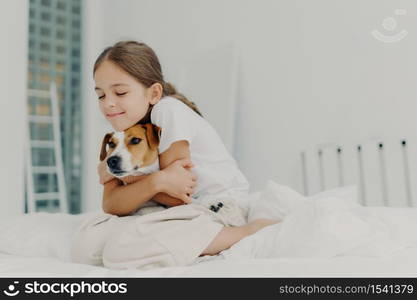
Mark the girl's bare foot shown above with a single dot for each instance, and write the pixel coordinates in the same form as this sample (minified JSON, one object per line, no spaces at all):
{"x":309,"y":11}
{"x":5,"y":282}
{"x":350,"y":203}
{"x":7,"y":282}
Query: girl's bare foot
{"x":258,"y":224}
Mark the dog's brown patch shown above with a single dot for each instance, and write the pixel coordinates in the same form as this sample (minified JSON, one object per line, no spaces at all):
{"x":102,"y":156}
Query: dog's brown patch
{"x":142,"y":154}
{"x":107,"y":138}
{"x":147,"y":150}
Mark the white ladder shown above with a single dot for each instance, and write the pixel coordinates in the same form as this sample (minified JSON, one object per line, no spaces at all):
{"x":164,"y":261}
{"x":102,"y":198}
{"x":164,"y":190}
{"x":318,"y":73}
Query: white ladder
{"x":54,"y":144}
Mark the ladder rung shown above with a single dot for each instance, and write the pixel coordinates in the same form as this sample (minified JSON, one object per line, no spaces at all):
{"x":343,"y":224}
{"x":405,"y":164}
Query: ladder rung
{"x":46,"y":196}
{"x":40,"y":119}
{"x":54,"y":144}
{"x":42,"y":144}
{"x":44,"y":170}
{"x":39,"y":94}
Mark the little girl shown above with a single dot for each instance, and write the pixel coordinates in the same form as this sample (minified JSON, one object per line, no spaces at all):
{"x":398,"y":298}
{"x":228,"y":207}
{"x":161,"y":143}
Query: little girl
{"x":203,"y":196}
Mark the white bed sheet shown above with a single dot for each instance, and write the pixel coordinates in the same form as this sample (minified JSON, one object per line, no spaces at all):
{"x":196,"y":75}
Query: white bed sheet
{"x":401,"y":264}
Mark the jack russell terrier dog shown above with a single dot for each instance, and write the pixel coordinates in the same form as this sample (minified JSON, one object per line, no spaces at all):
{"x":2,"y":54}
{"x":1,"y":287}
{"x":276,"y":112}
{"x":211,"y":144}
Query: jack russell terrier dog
{"x":134,"y":151}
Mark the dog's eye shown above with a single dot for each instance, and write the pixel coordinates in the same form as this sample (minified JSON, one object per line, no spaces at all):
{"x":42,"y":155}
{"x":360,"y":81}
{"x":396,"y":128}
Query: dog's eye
{"x":112,"y":145}
{"x":135,"y":141}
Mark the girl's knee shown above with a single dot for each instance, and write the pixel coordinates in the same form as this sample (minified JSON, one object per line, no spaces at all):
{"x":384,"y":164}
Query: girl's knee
{"x":88,"y":241}
{"x":126,"y":252}
{"x":84,"y":251}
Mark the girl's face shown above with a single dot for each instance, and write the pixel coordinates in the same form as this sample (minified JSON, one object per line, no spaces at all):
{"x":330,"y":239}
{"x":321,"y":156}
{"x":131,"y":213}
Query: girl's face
{"x":122,"y":100}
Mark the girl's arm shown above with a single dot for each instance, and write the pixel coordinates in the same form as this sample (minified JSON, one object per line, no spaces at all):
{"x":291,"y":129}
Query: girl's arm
{"x":119,"y":199}
{"x":161,"y":198}
{"x":177,"y":150}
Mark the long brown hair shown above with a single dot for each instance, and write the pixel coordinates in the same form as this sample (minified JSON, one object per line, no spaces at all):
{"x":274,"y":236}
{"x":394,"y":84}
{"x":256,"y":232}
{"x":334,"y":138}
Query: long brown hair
{"x":141,"y":62}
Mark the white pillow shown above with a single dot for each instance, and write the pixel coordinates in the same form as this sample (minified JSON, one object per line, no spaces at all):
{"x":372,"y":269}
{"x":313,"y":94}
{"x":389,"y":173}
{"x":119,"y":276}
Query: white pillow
{"x":348,"y":193}
{"x":276,"y":201}
{"x":39,"y":234}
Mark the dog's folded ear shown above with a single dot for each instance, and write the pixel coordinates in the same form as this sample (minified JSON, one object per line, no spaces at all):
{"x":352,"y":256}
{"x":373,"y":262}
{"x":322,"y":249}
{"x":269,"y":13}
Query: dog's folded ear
{"x":158,"y":132}
{"x":103,"y":152}
{"x":153,"y":133}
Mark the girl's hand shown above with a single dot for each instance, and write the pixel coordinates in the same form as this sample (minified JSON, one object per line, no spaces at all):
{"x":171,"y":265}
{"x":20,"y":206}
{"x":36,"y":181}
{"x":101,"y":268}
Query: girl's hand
{"x":102,"y":172}
{"x":177,"y":180}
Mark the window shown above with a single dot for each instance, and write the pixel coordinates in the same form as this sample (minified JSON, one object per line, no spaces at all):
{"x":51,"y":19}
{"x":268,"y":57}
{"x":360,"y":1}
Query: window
{"x":54,"y":55}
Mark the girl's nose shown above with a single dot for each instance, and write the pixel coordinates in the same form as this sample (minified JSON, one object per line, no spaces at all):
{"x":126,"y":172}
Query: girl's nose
{"x":109,"y":102}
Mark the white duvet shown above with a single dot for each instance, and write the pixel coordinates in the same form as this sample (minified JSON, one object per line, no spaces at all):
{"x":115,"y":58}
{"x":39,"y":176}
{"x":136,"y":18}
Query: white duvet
{"x":330,"y":224}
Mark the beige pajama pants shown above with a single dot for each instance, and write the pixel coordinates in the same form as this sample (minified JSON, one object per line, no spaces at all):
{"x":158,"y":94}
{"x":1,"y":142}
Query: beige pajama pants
{"x":175,"y":236}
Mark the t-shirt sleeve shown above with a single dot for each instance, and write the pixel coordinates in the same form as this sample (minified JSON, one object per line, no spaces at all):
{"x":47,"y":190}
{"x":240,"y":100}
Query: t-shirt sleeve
{"x":176,"y":120}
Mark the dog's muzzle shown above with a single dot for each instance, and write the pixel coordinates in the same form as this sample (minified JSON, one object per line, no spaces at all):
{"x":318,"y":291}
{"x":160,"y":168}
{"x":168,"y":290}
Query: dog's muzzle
{"x":114,"y":163}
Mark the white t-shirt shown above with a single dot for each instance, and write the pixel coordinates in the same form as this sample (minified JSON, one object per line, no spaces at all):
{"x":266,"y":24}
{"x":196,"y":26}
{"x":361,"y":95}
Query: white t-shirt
{"x":217,"y":171}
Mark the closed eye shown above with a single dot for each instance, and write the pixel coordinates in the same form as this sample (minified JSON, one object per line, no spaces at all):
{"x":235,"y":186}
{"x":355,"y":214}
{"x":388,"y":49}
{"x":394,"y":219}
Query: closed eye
{"x":121,"y":94}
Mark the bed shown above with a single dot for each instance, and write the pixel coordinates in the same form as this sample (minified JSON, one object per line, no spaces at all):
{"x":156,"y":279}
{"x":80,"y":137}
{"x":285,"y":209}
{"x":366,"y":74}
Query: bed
{"x":37,"y":245}
{"x":401,"y":264}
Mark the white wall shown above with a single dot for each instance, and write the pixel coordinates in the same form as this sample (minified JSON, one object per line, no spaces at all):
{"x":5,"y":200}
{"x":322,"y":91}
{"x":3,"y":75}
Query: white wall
{"x":13,"y":72}
{"x":94,"y":128}
{"x":310,"y":71}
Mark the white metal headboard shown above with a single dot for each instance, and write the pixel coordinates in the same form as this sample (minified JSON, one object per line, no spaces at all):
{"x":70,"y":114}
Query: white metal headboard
{"x":385,"y":171}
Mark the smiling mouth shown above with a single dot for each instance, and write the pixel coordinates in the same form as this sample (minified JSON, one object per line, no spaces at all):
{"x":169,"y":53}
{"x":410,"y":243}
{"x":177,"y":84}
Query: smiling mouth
{"x":114,"y":115}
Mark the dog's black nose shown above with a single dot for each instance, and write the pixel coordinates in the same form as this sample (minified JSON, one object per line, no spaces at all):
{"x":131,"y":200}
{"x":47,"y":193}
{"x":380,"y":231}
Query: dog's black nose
{"x":113,"y":162}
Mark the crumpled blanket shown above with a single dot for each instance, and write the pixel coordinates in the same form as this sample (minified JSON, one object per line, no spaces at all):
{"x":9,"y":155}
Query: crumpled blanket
{"x":329,"y":224}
